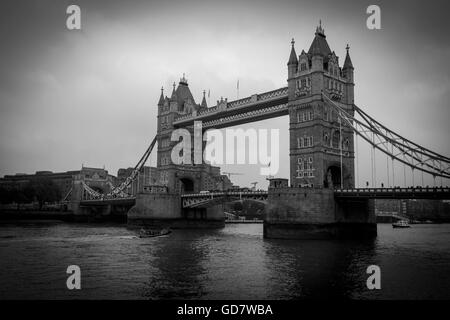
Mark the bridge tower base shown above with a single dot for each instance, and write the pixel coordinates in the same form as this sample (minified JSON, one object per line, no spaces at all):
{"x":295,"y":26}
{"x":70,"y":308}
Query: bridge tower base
{"x":162,"y":210}
{"x":310,"y":213}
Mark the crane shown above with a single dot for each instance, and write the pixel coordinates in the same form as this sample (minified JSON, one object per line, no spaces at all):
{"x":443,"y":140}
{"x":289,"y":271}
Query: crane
{"x":254,"y":185}
{"x":229,"y":174}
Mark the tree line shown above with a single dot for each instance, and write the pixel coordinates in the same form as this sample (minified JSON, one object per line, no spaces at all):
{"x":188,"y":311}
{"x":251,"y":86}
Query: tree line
{"x":39,"y":190}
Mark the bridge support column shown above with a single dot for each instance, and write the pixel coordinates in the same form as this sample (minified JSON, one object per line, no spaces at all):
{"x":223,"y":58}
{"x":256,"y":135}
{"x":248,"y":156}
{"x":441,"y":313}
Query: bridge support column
{"x":308,"y":213}
{"x":162,"y":210}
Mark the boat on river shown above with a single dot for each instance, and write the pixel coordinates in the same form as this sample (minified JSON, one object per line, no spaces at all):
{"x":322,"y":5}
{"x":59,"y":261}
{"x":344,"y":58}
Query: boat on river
{"x":401,"y":224}
{"x":150,"y":233}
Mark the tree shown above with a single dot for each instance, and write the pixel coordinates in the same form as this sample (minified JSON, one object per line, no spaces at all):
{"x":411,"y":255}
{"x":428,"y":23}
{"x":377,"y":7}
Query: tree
{"x":42,"y":190}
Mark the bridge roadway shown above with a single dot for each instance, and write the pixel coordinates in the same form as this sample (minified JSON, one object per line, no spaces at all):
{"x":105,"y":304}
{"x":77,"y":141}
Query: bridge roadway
{"x":250,"y":109}
{"x":192,"y":200}
{"x":394,"y":193}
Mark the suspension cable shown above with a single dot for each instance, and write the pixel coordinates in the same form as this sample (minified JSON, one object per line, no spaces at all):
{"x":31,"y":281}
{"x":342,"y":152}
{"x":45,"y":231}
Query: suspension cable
{"x":356,"y":160}
{"x":413,"y":154}
{"x":387,"y":170}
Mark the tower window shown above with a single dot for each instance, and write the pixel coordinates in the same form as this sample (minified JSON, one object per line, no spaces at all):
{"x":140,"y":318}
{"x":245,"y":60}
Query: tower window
{"x":303,"y":66}
{"x":336,"y":139}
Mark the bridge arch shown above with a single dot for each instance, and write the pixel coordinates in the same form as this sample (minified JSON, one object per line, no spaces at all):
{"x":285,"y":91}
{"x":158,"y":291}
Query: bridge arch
{"x":187,"y":185}
{"x":332,"y":178}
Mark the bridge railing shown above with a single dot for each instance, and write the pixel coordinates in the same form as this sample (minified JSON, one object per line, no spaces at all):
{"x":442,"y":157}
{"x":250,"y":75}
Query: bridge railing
{"x":222,"y":193}
{"x":400,"y":190}
{"x":237,"y":103}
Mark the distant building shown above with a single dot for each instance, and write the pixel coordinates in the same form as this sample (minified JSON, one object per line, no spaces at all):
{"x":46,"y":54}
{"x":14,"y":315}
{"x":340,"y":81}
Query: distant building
{"x":147,"y":176}
{"x":63,"y":180}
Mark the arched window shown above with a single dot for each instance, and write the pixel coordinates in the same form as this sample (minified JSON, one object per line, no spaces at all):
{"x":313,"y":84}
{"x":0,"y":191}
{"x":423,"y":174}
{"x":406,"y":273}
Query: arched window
{"x":326,"y":138}
{"x":303,"y":83}
{"x":336,"y":138}
{"x":346,"y":144}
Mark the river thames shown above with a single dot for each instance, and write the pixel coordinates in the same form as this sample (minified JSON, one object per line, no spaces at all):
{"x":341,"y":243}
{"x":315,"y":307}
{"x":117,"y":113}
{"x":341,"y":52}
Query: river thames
{"x":230,"y":263}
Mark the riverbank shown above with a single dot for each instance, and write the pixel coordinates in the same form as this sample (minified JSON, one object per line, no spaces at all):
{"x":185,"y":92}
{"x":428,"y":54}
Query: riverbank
{"x":67,"y":216}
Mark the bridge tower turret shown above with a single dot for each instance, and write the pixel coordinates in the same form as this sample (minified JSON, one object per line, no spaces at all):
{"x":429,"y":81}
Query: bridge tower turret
{"x":347,"y":73}
{"x":317,"y":139}
{"x":293,"y":61}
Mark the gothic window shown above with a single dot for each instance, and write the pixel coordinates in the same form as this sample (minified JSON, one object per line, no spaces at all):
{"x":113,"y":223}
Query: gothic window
{"x":309,"y":82}
{"x":303,"y":83}
{"x":304,"y":116}
{"x":346,"y":144}
{"x":299,"y":117}
{"x":299,"y":161}
{"x":336,"y":139}
{"x":303,"y":66}
{"x":325,"y":114}
{"x":311,"y":115}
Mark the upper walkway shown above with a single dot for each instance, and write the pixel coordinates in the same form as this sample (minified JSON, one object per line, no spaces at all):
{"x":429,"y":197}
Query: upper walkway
{"x":226,"y":114}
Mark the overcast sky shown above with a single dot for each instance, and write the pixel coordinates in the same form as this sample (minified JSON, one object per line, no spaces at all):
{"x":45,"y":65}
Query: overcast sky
{"x":89,"y":97}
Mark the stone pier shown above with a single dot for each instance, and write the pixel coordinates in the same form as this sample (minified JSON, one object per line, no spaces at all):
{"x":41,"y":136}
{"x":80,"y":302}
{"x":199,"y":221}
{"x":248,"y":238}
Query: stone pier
{"x":161,"y":210}
{"x":313,"y":213}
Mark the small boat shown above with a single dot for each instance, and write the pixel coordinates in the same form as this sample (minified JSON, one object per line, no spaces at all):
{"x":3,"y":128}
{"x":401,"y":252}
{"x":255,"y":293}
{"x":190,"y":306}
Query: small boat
{"x":401,"y":224}
{"x":149,"y":233}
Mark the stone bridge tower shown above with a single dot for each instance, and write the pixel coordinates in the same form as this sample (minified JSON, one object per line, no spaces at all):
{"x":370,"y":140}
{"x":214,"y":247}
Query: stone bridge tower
{"x":188,"y":177}
{"x":317,"y":139}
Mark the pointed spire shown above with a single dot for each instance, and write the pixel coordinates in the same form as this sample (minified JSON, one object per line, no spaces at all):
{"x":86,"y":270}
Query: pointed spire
{"x":174,"y":95}
{"x":319,"y":46}
{"x":161,"y":98}
{"x":320,"y":30}
{"x":204,"y":104}
{"x":348,"y":62}
{"x":293,"y":57}
{"x":184,"y":80}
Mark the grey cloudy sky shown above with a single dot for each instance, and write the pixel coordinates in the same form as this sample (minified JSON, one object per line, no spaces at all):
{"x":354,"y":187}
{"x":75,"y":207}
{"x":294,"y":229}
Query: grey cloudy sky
{"x":89,"y":97}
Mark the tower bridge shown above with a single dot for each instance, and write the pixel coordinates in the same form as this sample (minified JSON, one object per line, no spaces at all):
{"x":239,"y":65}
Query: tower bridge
{"x":324,"y":123}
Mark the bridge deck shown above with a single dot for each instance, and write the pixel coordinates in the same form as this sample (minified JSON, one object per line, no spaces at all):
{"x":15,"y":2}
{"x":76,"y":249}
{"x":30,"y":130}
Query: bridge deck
{"x":105,"y":202}
{"x":394,"y":193}
{"x":254,"y":108}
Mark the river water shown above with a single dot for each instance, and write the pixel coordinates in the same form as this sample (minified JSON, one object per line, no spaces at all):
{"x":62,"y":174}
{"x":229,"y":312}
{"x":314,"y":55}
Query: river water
{"x":230,"y":263}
